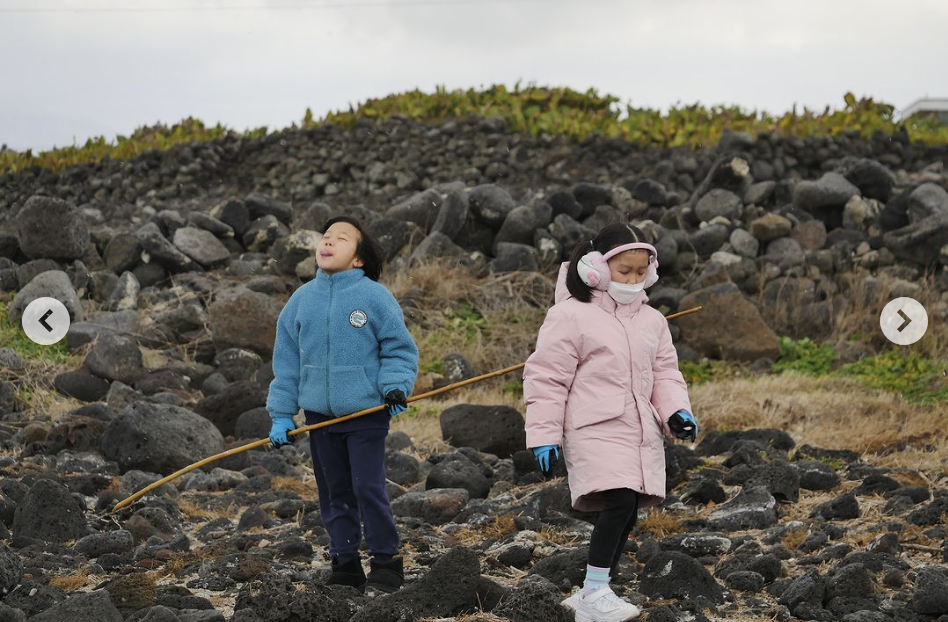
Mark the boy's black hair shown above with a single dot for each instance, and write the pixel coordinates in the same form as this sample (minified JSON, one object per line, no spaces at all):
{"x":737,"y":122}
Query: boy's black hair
{"x":608,"y":238}
{"x":367,"y":249}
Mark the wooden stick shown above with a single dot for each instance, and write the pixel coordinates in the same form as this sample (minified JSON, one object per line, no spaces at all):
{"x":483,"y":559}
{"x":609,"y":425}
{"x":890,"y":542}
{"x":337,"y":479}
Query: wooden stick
{"x":266,"y":441}
{"x":685,"y":312}
{"x":396,"y":485}
{"x":920,"y":547}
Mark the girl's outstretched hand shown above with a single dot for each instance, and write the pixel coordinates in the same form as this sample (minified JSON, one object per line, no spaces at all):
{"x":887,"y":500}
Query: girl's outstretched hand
{"x":683,"y":425}
{"x":548,"y":456}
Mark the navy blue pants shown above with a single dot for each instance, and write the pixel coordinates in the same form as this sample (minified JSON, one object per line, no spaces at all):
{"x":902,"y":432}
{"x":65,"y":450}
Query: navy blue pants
{"x":349,"y":465}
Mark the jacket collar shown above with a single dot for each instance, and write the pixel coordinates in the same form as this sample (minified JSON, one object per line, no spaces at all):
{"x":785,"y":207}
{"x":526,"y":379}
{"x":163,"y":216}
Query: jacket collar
{"x":609,"y":304}
{"x":346,"y":277}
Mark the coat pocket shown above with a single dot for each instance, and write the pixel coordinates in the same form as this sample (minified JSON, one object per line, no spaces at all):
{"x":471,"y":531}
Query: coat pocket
{"x":653,"y":429}
{"x":350,"y":390}
{"x":605,"y":409}
{"x":312,"y":392}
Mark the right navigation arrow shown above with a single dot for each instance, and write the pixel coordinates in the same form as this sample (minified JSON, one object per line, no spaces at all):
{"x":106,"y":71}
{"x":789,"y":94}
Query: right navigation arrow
{"x":907,"y":321}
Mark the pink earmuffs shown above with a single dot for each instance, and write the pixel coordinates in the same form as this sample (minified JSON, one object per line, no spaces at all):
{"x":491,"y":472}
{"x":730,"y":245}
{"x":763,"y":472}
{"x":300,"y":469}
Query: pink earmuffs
{"x":594,"y":270}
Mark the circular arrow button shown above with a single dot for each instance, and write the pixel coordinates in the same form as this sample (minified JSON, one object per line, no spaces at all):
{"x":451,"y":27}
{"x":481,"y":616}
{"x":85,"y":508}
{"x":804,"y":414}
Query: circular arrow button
{"x":45,"y":321}
{"x":904,"y":321}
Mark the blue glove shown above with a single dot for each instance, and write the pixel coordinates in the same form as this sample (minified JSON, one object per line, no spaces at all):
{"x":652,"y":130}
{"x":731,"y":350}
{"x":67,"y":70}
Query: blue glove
{"x":278,"y":429}
{"x":683,"y":425}
{"x":547,"y":456}
{"x":396,"y":401}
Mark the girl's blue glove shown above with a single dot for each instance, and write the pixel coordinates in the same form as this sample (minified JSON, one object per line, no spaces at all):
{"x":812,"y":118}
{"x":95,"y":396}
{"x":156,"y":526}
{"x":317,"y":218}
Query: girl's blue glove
{"x":547,"y":456}
{"x":278,"y":429}
{"x":683,"y":425}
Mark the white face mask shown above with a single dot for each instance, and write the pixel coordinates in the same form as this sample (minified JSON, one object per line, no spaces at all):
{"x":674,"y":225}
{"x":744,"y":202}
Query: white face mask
{"x":624,"y":294}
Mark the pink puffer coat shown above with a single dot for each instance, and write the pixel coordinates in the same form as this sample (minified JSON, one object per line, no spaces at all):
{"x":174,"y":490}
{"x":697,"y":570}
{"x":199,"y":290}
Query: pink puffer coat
{"x":602,"y":384}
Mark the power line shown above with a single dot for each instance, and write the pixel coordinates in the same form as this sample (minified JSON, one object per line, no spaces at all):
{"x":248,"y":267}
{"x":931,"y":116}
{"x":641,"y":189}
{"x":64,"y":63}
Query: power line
{"x":275,"y":7}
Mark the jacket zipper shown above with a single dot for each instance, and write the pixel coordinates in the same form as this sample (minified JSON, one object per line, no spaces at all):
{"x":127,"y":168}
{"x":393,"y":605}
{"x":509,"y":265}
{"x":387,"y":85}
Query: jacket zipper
{"x":628,"y":345}
{"x":328,"y":315}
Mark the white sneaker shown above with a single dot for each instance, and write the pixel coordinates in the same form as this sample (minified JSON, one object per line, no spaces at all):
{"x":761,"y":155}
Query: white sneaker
{"x":604,"y":606}
{"x":570,"y":603}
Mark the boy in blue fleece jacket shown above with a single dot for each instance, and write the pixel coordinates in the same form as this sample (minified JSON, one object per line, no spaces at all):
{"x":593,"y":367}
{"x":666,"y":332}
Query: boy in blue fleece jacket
{"x":342,"y":346}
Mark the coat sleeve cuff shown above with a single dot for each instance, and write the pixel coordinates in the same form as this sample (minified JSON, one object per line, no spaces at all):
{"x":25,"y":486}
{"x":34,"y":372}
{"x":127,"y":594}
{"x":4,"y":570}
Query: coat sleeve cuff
{"x":386,"y":389}
{"x":540,"y":439}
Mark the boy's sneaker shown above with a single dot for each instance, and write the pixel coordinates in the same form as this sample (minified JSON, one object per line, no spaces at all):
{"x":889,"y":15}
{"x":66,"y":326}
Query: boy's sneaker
{"x":604,"y":606}
{"x":347,"y":570}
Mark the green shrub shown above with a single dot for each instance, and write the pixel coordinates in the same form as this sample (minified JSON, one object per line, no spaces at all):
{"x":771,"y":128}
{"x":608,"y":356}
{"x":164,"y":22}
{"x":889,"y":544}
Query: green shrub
{"x":804,"y":356}
{"x":157,"y":137}
{"x":12,"y":336}
{"x":531,"y":110}
{"x":915,"y":378}
{"x":705,"y":371}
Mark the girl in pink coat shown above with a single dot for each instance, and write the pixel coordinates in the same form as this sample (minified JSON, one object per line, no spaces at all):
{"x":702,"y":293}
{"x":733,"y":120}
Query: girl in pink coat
{"x":601,"y":389}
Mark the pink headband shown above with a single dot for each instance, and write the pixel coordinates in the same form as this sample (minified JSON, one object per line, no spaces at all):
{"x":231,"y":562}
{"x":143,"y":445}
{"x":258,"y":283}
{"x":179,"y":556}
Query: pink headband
{"x":630,"y":247}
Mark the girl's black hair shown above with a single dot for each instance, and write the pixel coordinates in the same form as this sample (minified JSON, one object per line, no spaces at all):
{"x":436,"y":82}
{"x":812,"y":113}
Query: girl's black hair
{"x":608,"y":238}
{"x":367,"y":249}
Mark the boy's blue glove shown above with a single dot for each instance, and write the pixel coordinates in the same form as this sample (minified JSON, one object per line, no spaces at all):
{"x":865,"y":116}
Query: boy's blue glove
{"x":278,"y":429}
{"x":547,"y":456}
{"x":396,"y":401}
{"x":683,"y":425}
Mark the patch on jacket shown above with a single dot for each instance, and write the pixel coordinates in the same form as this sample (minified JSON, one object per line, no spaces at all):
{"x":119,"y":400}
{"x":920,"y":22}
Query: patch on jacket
{"x":358,"y":318}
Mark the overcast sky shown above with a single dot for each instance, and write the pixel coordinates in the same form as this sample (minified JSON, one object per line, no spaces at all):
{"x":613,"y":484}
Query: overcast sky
{"x":80,"y":68}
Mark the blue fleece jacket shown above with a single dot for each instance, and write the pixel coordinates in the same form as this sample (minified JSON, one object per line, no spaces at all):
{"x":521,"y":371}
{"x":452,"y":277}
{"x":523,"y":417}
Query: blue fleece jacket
{"x":341,"y":346}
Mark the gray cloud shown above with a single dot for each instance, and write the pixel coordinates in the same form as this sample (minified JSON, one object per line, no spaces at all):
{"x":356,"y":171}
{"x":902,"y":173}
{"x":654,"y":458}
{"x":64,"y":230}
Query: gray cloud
{"x":83,"y":74}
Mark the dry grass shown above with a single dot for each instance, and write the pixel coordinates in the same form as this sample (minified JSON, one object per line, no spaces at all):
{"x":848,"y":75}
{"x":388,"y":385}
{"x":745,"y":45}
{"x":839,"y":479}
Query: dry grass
{"x":910,"y":478}
{"x":468,"y":617}
{"x":660,"y":524}
{"x":835,"y":413}
{"x":71,"y":582}
{"x":34,"y":382}
{"x":35,"y":391}
{"x":855,"y":309}
{"x":860,"y":306}
{"x":501,"y":526}
{"x":809,"y":499}
{"x":194,"y":511}
{"x":507,"y":313}
{"x":915,"y":534}
{"x":305,"y":489}
{"x":555,"y":536}
{"x":795,"y":537}
{"x":178,"y":562}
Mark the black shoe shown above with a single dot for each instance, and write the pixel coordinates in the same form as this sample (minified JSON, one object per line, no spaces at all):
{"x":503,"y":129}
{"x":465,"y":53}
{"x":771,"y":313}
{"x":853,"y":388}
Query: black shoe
{"x":347,"y":570}
{"x":385,"y":577}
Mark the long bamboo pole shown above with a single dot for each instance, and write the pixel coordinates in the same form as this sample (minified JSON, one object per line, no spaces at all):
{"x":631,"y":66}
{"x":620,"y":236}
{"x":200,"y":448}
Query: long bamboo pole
{"x":266,"y":441}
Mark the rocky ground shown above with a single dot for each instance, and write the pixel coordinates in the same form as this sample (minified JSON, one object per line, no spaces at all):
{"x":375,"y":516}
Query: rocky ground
{"x":175,"y":265}
{"x":755,"y":528}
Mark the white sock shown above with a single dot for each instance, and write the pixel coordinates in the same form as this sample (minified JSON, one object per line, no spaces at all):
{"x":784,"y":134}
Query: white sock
{"x":595,"y":578}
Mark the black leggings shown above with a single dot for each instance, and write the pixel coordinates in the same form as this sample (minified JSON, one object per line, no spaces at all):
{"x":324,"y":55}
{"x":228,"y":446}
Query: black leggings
{"x":613,"y":527}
